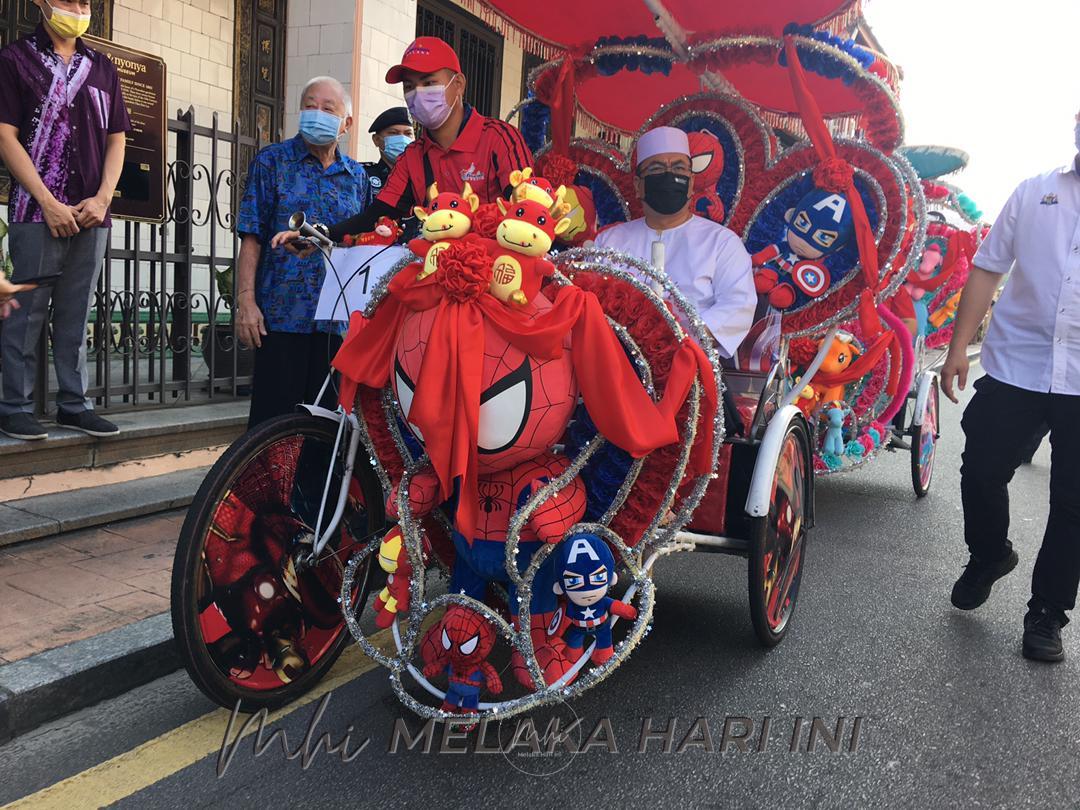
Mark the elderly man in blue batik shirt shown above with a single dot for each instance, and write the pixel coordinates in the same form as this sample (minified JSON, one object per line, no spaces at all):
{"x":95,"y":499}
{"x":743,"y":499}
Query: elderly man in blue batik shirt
{"x":276,"y":290}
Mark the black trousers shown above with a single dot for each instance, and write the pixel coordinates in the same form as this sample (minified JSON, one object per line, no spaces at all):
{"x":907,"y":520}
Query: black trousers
{"x":290,"y":369}
{"x":999,"y":424}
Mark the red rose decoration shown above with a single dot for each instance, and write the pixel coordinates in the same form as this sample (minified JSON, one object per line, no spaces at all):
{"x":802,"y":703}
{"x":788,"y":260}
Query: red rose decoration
{"x":834,"y":175}
{"x":934,"y":190}
{"x":464,"y":269}
{"x":559,"y":170}
{"x":485,"y":220}
{"x":802,"y":351}
{"x":661,"y":366}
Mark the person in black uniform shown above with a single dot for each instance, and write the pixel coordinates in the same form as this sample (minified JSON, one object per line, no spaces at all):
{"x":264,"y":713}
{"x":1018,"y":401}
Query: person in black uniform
{"x":391,"y":132}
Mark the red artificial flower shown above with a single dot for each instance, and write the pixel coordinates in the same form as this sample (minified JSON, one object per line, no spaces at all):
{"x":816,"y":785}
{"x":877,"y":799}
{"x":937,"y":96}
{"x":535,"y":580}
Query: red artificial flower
{"x":802,"y":351}
{"x":834,"y":175}
{"x":558,"y":170}
{"x":464,"y":269}
{"x":485,"y":220}
{"x":661,"y":366}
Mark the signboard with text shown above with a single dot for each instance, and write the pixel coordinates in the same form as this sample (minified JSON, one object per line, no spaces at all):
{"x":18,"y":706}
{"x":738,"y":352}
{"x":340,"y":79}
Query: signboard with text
{"x":140,"y":194}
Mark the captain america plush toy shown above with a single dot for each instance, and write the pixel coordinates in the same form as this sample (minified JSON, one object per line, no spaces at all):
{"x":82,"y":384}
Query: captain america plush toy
{"x":818,"y":225}
{"x":585,"y":570}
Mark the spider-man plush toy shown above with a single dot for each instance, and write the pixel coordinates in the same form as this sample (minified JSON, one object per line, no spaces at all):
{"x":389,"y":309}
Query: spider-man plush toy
{"x":488,"y":381}
{"x":707,"y":162}
{"x":459,"y":646}
{"x":525,"y":404}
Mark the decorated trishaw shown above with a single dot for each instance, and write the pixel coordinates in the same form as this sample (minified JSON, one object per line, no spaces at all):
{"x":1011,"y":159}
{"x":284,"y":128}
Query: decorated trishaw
{"x":540,"y":421}
{"x":928,"y":299}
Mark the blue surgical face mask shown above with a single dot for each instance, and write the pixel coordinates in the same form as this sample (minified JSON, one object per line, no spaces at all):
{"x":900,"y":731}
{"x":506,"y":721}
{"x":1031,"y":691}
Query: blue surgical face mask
{"x":318,"y":127}
{"x":394,"y":145}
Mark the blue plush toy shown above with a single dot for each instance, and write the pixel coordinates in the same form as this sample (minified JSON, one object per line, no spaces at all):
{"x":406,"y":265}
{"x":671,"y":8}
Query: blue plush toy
{"x":820,"y":224}
{"x":834,"y":433}
{"x":584,"y":571}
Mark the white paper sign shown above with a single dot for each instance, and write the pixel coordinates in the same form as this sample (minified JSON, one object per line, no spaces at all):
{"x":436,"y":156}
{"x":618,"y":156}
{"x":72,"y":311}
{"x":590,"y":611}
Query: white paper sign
{"x":351,"y":275}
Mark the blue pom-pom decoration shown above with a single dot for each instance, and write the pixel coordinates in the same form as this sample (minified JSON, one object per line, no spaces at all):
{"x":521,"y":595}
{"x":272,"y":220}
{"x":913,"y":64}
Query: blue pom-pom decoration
{"x":832,"y":461}
{"x":968,"y":206}
{"x":854,"y":449}
{"x":414,"y":447}
{"x":875,"y":437}
{"x":604,"y":473}
{"x":823,"y":63}
{"x":610,"y":64}
{"x":535,"y":118}
{"x":605,"y":197}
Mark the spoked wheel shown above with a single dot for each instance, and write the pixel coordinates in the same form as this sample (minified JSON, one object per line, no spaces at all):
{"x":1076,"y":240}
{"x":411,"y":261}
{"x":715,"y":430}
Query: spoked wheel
{"x":778,"y":542}
{"x":255,"y":619}
{"x":924,"y":438}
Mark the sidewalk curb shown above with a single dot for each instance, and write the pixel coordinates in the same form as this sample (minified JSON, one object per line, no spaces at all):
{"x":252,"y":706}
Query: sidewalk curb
{"x":54,"y":683}
{"x":44,"y":516}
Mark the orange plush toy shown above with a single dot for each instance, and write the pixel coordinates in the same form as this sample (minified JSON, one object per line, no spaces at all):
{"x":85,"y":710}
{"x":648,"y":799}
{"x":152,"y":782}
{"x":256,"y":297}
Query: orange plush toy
{"x":842,"y":353}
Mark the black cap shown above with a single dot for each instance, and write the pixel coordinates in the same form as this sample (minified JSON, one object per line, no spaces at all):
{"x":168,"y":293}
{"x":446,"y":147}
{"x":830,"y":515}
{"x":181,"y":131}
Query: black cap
{"x":395,"y":116}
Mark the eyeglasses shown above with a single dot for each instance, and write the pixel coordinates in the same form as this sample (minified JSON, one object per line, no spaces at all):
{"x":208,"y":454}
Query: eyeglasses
{"x":680,"y":168}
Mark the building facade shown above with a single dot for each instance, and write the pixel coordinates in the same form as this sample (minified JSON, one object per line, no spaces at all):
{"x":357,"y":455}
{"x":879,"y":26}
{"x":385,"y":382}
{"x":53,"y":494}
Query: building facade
{"x":161,"y":329}
{"x":246,"y":60}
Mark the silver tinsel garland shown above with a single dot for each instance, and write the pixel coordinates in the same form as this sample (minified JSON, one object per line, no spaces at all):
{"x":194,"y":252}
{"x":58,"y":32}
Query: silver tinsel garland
{"x":632,"y":271}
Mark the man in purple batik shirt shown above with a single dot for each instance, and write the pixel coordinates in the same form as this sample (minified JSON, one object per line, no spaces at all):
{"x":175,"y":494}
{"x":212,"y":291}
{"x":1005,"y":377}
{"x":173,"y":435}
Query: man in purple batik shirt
{"x":62,"y":125}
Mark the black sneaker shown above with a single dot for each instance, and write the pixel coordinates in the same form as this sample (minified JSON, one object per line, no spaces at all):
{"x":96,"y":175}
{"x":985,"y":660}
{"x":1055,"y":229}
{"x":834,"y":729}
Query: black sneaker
{"x":88,"y":422}
{"x":973,"y":587}
{"x":22,"y":426}
{"x":1042,"y":637}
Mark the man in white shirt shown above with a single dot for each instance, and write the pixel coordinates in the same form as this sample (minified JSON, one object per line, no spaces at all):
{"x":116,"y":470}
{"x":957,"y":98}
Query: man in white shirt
{"x":1031,"y":356}
{"x":705,"y":260}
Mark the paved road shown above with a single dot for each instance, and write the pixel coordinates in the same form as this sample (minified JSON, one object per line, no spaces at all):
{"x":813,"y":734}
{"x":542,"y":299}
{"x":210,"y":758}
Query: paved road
{"x":950,"y":714}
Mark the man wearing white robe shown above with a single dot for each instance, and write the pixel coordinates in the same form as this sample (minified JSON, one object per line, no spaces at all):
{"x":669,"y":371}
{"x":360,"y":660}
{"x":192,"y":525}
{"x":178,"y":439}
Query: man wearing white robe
{"x":705,"y":260}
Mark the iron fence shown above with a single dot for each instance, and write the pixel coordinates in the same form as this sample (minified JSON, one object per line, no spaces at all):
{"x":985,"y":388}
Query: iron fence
{"x":162,"y":324}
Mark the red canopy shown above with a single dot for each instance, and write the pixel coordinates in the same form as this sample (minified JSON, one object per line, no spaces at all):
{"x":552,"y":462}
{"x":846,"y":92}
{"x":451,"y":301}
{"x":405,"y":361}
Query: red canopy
{"x":627,"y":99}
{"x":577,"y":24}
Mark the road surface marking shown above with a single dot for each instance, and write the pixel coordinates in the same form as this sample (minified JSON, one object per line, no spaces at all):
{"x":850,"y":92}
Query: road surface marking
{"x":176,"y":749}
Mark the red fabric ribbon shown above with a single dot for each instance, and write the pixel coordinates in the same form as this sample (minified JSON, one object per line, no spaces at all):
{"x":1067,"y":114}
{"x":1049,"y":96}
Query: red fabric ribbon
{"x":562,"y":106}
{"x":446,"y":403}
{"x":814,"y":123}
{"x":862,"y":366}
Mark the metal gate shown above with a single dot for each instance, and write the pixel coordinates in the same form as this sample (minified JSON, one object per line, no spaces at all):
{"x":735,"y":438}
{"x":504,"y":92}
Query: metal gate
{"x":161,"y":330}
{"x":478,"y":47}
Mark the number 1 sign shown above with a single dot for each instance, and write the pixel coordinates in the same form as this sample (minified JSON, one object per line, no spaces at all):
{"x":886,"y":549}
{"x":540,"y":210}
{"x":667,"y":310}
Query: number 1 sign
{"x":351,"y":275}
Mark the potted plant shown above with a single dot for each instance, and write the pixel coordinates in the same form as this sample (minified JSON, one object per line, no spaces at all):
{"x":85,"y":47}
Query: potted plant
{"x":219,"y":342}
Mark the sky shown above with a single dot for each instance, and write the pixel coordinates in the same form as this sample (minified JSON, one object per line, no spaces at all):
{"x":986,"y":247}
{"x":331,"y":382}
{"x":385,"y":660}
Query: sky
{"x":999,"y":79}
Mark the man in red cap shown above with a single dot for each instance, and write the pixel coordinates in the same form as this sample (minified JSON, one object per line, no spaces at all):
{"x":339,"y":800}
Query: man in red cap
{"x":458,"y":144}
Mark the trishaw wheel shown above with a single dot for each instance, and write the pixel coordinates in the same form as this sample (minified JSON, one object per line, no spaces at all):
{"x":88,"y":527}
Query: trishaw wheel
{"x":252,"y":622}
{"x":924,"y":439}
{"x":778,"y":542}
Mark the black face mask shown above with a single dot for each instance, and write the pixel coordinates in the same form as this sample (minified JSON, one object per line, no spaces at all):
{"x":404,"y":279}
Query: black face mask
{"x":667,"y":192}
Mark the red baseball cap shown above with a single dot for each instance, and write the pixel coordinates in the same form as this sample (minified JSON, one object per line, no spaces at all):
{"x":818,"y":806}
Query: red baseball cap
{"x":425,"y":55}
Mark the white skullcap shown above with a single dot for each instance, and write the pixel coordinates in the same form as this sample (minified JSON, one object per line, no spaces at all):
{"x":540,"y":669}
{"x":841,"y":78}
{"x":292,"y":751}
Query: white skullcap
{"x":660,"y":141}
